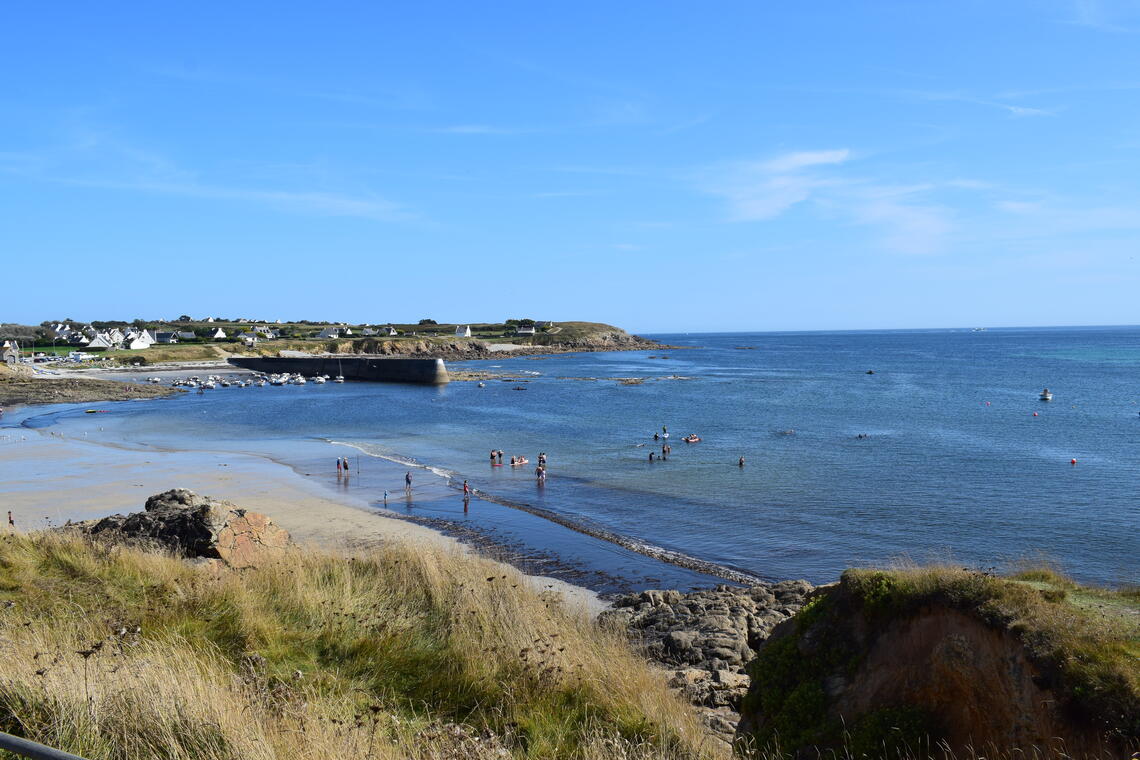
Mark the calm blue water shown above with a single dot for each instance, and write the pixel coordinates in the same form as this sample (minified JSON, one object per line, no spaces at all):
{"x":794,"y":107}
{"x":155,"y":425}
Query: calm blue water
{"x":955,"y":466}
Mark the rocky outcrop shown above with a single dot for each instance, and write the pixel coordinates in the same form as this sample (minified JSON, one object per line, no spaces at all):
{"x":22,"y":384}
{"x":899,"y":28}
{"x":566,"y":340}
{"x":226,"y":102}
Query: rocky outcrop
{"x":877,"y":667}
{"x":22,"y":388}
{"x":196,"y":527}
{"x":706,"y":638}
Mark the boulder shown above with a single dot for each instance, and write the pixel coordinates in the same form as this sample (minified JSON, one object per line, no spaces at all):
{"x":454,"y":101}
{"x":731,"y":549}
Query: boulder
{"x":196,"y":527}
{"x":707,"y":637}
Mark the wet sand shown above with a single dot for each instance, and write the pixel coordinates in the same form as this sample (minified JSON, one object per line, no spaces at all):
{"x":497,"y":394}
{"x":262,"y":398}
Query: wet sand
{"x":49,"y":479}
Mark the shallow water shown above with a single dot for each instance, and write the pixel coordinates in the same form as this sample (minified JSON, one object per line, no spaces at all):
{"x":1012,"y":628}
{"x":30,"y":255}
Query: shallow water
{"x":955,"y":466}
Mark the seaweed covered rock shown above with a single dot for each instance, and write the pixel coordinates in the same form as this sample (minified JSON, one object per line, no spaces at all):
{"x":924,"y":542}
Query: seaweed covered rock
{"x":905,"y":661}
{"x":196,"y":527}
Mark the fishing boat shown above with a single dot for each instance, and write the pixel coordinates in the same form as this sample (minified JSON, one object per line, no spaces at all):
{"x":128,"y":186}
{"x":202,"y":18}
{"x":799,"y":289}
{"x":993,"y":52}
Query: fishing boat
{"x":1046,"y":395}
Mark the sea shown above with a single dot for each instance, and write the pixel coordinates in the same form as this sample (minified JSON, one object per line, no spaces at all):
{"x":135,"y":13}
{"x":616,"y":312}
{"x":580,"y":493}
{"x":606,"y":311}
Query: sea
{"x":860,"y":449}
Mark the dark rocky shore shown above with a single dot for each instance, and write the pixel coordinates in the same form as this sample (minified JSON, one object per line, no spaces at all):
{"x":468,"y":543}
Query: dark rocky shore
{"x":706,"y":638}
{"x":25,"y":388}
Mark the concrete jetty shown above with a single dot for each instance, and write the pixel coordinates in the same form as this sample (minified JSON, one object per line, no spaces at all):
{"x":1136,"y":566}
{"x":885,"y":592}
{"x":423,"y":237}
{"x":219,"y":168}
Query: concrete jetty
{"x":354,"y":367}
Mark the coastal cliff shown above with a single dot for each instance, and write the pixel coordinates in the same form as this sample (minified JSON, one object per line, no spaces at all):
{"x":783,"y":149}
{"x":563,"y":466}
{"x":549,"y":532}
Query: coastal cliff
{"x":567,"y":337}
{"x":905,"y":662}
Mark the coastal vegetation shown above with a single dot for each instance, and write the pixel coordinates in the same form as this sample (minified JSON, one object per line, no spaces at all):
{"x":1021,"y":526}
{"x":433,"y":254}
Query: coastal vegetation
{"x":402,"y":651}
{"x":249,"y":339}
{"x":909,"y":660}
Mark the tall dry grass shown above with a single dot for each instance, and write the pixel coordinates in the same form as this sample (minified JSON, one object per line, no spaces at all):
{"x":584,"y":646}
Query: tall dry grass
{"x":408,"y":651}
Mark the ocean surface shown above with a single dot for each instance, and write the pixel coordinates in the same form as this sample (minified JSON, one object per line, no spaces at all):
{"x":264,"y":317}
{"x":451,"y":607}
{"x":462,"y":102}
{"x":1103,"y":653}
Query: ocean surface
{"x":960,"y":461}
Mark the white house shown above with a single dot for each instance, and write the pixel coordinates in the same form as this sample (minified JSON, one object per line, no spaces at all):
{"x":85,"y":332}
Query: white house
{"x":463,"y":331}
{"x":328,"y":332}
{"x":102,"y":340}
{"x":140,"y":336}
{"x":219,"y":334}
{"x":367,"y":332}
{"x":524,"y":330}
{"x":389,"y":331}
{"x":165,"y":337}
{"x":249,"y":338}
{"x":209,"y":319}
{"x":138,"y":344}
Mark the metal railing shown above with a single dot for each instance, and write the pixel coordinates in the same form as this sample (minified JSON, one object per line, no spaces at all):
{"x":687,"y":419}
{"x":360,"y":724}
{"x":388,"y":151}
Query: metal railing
{"x":33,"y":750}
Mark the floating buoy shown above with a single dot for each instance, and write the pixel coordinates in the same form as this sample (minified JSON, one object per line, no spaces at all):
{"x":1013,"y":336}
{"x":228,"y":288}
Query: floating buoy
{"x":1035,"y":414}
{"x":1072,"y":461}
{"x":987,"y":403}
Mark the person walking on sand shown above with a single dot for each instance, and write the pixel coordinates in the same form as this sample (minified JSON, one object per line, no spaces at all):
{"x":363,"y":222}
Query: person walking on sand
{"x":408,"y":482}
{"x":338,"y":467}
{"x":11,"y":522}
{"x":346,"y":467}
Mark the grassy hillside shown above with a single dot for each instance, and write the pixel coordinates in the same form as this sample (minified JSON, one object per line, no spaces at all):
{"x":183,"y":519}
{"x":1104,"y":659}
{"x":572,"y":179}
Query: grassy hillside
{"x":402,"y":652}
{"x":1082,"y":643}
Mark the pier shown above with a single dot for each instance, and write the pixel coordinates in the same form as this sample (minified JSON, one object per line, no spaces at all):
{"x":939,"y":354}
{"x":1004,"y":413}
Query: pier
{"x":355,"y":367}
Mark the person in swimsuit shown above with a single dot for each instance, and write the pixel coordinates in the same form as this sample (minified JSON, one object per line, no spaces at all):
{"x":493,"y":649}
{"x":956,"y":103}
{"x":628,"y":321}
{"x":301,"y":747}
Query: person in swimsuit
{"x":466,"y":490}
{"x":408,"y":481}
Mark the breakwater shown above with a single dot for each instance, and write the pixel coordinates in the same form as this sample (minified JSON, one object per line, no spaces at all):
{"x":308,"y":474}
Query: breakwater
{"x":371,"y":368}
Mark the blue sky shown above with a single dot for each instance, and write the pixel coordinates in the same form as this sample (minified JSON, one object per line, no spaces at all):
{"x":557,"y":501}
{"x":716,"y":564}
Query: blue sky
{"x":661,"y":166}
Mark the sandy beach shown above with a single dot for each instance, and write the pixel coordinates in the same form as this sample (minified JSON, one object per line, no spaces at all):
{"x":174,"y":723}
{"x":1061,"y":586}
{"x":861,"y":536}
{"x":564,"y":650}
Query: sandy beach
{"x":50,"y":479}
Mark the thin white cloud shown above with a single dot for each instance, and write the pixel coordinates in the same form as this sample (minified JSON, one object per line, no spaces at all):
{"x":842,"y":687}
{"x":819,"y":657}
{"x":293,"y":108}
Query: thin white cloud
{"x":758,"y":190}
{"x":1105,"y":16}
{"x":764,"y":190}
{"x":92,"y":159}
{"x":791,"y":162}
{"x":320,"y":203}
{"x":907,"y":228}
{"x":476,"y":129}
{"x":1010,"y":108}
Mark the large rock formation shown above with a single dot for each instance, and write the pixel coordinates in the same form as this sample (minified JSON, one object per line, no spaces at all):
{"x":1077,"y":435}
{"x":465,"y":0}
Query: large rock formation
{"x":196,"y":527}
{"x":882,"y":666}
{"x":706,"y":638}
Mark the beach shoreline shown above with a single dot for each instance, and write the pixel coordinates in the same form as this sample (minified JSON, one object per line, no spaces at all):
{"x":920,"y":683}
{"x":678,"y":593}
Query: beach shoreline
{"x":103,"y":478}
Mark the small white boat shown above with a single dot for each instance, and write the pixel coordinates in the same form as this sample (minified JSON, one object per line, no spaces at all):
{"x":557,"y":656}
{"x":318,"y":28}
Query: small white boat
{"x":482,"y":385}
{"x":338,"y":379}
{"x":319,"y":380}
{"x":1046,"y":395}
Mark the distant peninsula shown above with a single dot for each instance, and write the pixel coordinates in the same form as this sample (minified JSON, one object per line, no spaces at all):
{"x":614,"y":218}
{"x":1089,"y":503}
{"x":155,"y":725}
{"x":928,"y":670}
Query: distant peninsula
{"x":144,"y":343}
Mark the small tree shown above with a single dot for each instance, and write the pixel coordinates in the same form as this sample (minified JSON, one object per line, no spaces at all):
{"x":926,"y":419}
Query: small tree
{"x":427,"y":322}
